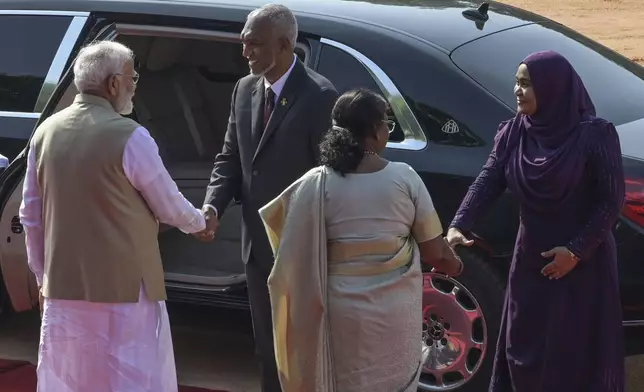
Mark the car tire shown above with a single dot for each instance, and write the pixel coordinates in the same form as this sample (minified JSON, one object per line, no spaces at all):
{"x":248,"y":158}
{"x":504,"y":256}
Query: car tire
{"x":485,"y":285}
{"x":6,"y":309}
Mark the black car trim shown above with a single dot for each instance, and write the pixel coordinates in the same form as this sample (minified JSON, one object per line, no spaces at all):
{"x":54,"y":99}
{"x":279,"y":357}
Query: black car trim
{"x":60,"y":59}
{"x":174,"y":32}
{"x":415,"y":138}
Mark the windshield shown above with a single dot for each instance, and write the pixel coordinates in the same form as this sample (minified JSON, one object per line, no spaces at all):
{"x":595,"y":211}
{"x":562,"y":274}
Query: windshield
{"x":615,"y":84}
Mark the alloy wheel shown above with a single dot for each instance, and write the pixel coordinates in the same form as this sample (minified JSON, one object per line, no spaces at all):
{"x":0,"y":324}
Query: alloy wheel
{"x":454,"y":334}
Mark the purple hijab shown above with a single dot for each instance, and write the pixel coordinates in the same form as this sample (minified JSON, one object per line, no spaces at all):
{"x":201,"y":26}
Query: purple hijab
{"x":550,"y":159}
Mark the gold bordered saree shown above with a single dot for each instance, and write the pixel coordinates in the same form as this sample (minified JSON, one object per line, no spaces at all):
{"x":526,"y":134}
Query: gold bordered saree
{"x":309,"y":282}
{"x":297,"y":285}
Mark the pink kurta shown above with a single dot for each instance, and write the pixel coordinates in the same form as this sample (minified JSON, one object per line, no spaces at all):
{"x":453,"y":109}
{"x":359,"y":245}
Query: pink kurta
{"x":100,"y":347}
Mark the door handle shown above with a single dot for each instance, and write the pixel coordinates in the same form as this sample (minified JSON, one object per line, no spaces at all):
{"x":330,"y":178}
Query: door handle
{"x":16,"y":225}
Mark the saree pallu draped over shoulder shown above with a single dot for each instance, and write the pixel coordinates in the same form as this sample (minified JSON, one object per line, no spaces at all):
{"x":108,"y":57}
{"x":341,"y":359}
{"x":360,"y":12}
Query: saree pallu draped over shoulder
{"x":299,"y":285}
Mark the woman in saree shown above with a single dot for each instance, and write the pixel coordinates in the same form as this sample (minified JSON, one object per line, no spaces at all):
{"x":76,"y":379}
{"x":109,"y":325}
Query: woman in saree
{"x":348,"y":237}
{"x":561,"y":329}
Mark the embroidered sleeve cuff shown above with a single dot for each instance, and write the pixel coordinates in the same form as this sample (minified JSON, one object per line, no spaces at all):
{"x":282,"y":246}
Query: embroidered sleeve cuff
{"x":574,"y":249}
{"x":212,"y":208}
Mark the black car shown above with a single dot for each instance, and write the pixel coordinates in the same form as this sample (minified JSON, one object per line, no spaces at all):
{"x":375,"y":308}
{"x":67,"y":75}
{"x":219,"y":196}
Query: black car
{"x":447,"y":68}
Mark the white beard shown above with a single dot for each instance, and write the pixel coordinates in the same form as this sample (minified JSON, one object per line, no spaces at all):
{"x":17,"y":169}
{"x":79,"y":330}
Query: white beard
{"x":127,"y":109}
{"x":126,"y":106}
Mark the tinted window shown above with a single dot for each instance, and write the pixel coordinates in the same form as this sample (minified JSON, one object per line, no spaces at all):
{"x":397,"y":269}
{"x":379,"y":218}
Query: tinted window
{"x":28,"y":44}
{"x":346,"y":73}
{"x":615,"y":85}
{"x":14,"y":133}
{"x":441,"y":128}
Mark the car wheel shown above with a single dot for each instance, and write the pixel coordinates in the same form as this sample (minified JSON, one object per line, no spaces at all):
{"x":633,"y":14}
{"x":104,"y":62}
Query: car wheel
{"x":461,"y":320}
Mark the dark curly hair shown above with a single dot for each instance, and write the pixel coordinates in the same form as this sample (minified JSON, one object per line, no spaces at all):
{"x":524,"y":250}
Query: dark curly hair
{"x":355,"y":116}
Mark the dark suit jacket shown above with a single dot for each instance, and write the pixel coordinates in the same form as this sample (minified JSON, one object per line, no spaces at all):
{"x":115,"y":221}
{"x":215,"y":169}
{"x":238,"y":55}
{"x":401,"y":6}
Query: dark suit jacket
{"x":256,"y":165}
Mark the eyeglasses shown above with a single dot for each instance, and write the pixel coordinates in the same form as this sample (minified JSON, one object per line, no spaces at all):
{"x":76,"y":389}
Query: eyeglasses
{"x":391,"y":125}
{"x":134,"y":76}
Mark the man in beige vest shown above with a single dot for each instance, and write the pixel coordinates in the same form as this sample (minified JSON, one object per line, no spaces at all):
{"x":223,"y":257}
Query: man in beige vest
{"x":95,"y":191}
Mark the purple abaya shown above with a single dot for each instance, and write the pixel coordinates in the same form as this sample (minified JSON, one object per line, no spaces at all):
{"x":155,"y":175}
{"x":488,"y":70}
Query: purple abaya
{"x":565,"y":166}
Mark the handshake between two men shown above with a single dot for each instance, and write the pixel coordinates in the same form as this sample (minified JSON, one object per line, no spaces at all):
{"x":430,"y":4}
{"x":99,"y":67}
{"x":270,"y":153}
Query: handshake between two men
{"x":212,"y":224}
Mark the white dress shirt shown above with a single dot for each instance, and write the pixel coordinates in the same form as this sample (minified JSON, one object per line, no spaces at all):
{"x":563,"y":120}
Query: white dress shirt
{"x":278,"y":86}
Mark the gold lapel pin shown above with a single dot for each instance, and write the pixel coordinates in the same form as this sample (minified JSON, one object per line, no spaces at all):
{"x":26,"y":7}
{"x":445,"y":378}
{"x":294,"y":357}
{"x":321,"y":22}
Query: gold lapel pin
{"x":283,"y":102}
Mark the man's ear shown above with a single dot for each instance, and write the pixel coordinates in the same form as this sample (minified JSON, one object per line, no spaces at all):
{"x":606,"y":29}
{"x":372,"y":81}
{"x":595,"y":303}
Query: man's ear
{"x":285,"y":45}
{"x":111,"y":85}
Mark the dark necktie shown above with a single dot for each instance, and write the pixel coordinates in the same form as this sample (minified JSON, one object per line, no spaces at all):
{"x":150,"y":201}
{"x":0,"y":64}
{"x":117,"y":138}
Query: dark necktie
{"x":269,"y":105}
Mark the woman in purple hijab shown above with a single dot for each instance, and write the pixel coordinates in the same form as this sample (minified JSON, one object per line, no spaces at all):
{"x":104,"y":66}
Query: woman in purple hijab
{"x":562,"y":325}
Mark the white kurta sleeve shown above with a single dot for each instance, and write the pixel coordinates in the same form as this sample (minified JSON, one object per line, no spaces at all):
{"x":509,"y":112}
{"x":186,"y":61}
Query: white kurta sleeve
{"x":145,"y":170}
{"x":31,"y":218}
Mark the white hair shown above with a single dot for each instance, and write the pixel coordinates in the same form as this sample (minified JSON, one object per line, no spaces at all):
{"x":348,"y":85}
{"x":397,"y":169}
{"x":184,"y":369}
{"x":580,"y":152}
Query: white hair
{"x":281,"y":18}
{"x":98,"y":61}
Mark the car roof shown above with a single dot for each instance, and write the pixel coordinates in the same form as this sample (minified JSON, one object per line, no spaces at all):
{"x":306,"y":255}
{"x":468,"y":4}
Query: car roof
{"x":439,"y":22}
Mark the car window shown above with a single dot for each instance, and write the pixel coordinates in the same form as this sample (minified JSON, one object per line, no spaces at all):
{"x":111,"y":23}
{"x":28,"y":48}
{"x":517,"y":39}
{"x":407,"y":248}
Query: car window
{"x":346,"y":73}
{"x":442,"y":128}
{"x":29,"y":44}
{"x":615,"y":85}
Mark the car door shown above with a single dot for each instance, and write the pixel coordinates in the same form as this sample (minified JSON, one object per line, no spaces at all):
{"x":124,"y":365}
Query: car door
{"x":16,"y":277}
{"x":28,"y":76}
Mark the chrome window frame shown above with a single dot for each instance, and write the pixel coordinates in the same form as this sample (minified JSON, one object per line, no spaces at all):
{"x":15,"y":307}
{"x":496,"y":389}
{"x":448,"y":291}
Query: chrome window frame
{"x":59,"y":60}
{"x":19,"y":114}
{"x":43,"y":13}
{"x":415,"y":138}
{"x":633,"y":323}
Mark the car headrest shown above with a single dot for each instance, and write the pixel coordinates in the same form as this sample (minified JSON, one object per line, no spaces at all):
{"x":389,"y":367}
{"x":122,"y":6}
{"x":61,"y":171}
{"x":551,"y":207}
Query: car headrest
{"x":216,"y":56}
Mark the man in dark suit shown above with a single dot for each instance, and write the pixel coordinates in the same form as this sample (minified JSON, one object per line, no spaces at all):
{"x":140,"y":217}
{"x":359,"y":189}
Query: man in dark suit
{"x":278,"y":114}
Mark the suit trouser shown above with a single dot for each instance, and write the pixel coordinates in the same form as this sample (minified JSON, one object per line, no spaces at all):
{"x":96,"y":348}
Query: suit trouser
{"x":260,"y":305}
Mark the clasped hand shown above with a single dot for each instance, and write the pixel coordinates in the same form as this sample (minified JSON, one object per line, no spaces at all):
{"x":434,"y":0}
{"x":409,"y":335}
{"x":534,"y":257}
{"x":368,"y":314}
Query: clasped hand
{"x":564,"y":261}
{"x":212,"y":224}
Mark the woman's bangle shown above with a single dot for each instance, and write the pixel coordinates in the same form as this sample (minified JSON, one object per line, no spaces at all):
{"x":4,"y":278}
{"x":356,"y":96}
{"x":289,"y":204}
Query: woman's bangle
{"x":461,"y":267}
{"x":574,"y":256}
